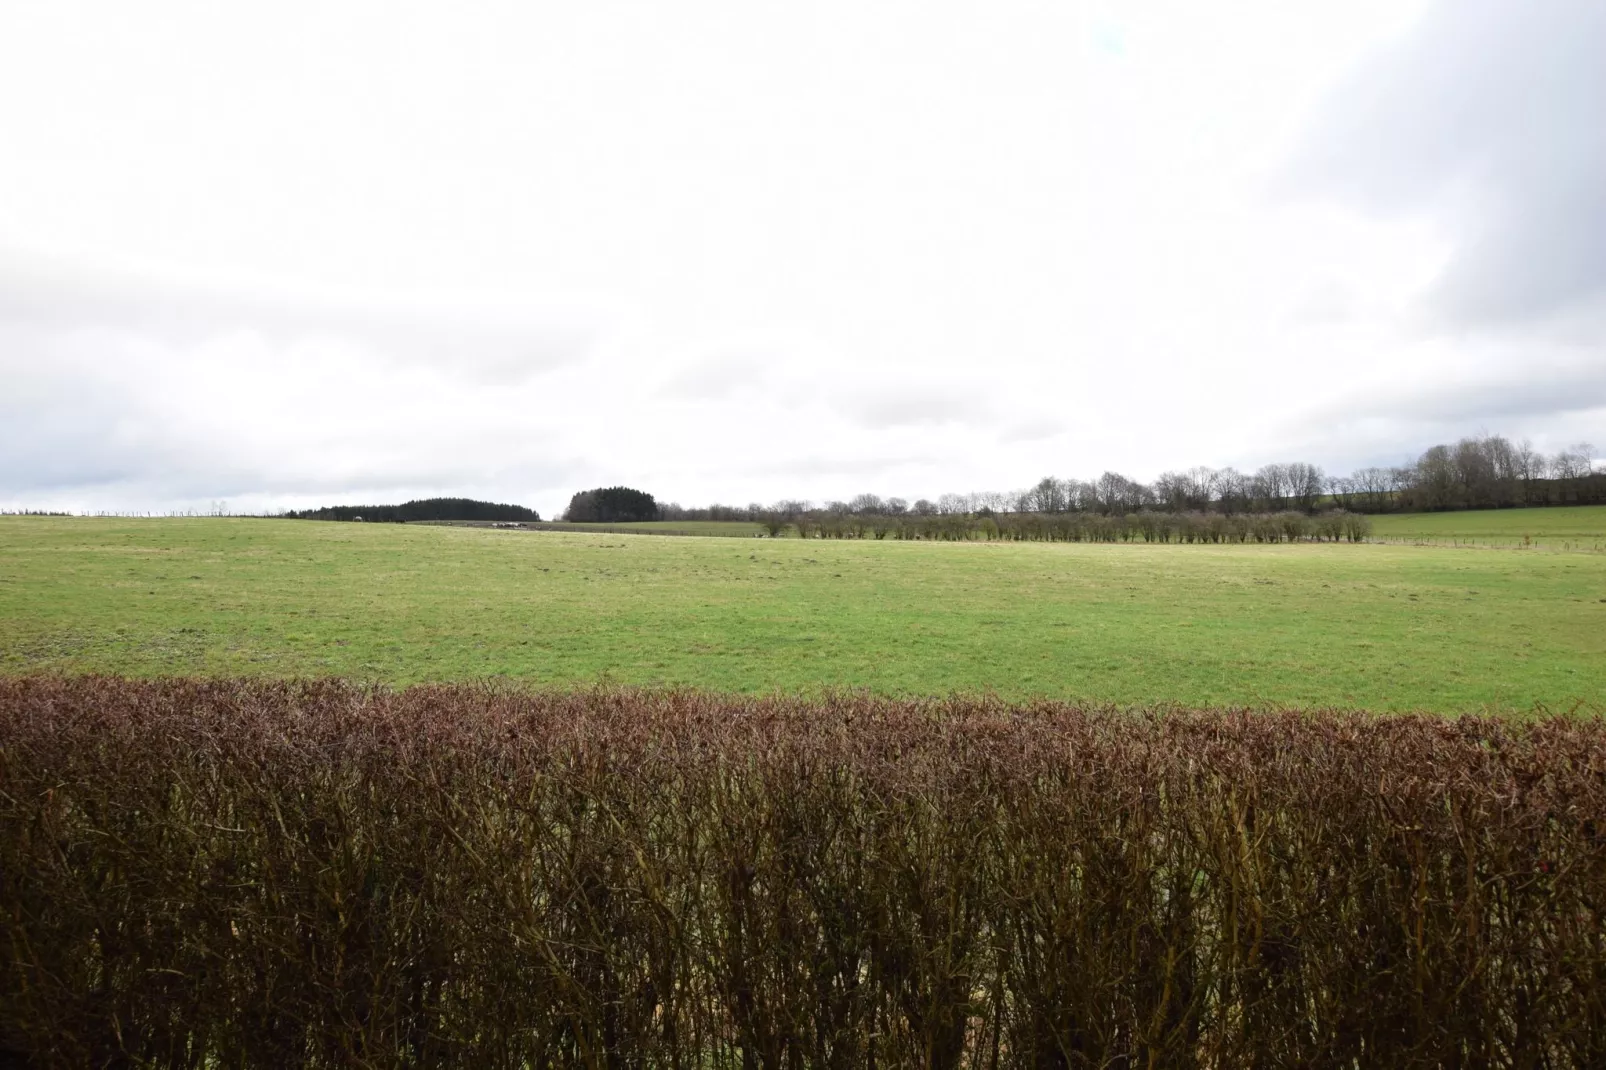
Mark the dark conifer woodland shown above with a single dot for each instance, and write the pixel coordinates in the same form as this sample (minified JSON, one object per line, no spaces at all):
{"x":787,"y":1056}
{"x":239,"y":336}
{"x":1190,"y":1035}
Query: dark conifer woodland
{"x":422,"y":509}
{"x":611,"y":505}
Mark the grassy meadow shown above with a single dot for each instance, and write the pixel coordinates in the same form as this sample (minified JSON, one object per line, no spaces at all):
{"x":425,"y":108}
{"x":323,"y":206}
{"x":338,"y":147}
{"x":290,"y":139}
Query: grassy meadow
{"x":1377,"y":626}
{"x":669,"y":527}
{"x":1575,"y":527}
{"x":1565,"y":527}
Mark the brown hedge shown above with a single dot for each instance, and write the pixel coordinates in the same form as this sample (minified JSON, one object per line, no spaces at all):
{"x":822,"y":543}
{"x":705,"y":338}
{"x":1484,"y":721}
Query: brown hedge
{"x":240,"y":874}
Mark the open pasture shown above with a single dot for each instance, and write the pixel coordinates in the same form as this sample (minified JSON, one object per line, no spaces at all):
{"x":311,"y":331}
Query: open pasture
{"x":1384,"y":627}
{"x":1573,"y":527}
{"x":740,"y":528}
{"x":1566,"y":527}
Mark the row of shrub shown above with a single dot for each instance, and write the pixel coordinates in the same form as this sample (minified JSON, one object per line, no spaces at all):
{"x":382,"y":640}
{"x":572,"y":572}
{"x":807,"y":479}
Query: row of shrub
{"x":210,"y":874}
{"x":1145,"y":526}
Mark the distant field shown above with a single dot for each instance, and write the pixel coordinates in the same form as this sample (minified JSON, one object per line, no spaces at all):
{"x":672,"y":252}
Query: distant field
{"x":1580,"y":527}
{"x":1375,"y":626}
{"x":740,"y":528}
{"x":1576,"y":527}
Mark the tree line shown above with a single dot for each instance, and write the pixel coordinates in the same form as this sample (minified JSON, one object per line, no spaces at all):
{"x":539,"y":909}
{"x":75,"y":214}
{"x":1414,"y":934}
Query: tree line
{"x":420,"y":509}
{"x":1487,"y":472}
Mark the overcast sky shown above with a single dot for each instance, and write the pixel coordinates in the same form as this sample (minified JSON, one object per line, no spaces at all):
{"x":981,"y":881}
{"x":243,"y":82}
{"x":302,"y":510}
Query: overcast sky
{"x":286,"y":254}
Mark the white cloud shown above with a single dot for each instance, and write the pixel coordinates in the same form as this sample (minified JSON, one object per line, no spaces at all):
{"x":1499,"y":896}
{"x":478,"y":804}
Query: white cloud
{"x":301,"y":252}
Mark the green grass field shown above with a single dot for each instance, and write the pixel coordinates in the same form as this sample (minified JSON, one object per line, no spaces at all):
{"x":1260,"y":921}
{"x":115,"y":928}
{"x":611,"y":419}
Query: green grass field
{"x":675,"y":527}
{"x":1571,"y":527}
{"x":1386,"y":627}
{"x":1566,"y":527}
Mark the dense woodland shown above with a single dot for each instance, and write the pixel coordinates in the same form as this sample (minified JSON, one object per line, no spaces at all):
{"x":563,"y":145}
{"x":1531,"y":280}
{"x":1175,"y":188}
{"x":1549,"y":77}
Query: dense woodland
{"x":611,"y":505}
{"x":1474,"y":473}
{"x":422,"y":509}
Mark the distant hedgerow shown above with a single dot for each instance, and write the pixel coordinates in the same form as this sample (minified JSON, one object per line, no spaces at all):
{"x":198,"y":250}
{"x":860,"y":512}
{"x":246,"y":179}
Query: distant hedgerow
{"x":1146,"y":526}
{"x":243,"y":874}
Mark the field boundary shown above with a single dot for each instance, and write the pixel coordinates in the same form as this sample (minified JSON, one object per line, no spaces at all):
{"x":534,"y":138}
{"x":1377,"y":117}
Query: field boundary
{"x":313,"y":873}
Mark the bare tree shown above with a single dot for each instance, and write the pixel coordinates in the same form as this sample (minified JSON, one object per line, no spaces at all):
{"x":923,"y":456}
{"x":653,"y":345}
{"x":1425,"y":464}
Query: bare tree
{"x":1487,"y":470}
{"x":1118,"y":495}
{"x":1433,"y":482}
{"x":1505,"y":469}
{"x":1234,"y":490}
{"x":1373,"y":487}
{"x":1530,"y":471}
{"x":1343,"y":490}
{"x":1574,"y":462}
{"x":1271,"y":486}
{"x":1569,"y":468}
{"x":1081,"y":496}
{"x":1304,"y":484}
{"x":1048,"y":496}
{"x":1202,"y":483}
{"x":867,"y":505}
{"x":1171,"y":491}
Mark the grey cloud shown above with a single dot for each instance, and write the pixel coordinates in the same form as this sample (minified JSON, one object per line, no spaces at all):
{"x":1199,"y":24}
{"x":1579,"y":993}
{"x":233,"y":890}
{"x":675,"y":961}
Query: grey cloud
{"x":116,"y":415}
{"x":495,"y":345}
{"x":834,"y":466}
{"x":1524,"y":392}
{"x":138,"y":454}
{"x":1032,"y":430}
{"x":78,"y":467}
{"x":1551,"y":400}
{"x":716,"y":379}
{"x":1489,"y":116}
{"x":916,"y":404}
{"x":1327,"y":302}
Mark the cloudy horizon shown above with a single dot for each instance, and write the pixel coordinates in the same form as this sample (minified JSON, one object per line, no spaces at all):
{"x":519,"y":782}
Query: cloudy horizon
{"x":308,"y":254}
